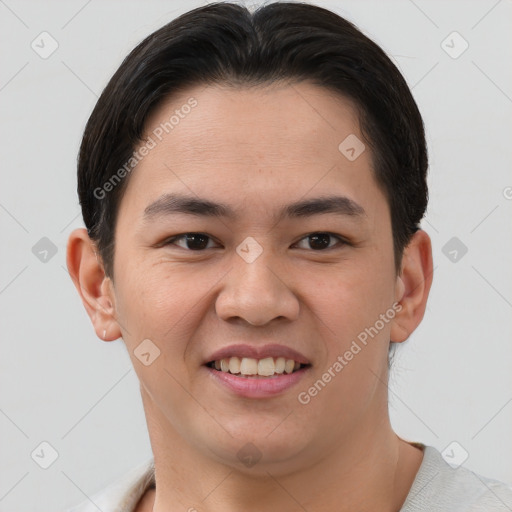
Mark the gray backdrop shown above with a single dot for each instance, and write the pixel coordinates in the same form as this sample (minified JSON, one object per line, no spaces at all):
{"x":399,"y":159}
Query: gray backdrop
{"x":451,"y":385}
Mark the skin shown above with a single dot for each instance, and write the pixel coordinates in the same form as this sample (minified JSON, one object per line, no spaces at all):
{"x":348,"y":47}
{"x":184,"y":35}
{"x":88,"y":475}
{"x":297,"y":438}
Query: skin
{"x":257,"y":149}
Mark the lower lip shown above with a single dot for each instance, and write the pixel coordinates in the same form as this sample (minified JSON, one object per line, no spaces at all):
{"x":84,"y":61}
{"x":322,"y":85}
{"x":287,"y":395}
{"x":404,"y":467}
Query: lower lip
{"x":257,"y":387}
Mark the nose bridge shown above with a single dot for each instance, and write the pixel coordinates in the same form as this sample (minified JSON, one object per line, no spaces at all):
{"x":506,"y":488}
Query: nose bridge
{"x":254,"y":289}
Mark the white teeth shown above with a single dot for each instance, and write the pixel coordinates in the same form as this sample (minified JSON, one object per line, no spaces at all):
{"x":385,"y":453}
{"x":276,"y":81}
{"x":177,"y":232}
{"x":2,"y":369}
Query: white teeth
{"x":249,"y":366}
{"x":266,"y":367}
{"x":234,"y":365}
{"x":280,"y":364}
{"x":290,"y":364}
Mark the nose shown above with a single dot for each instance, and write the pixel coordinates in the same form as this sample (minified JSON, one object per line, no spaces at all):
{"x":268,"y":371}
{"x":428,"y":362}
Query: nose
{"x":257,"y":292}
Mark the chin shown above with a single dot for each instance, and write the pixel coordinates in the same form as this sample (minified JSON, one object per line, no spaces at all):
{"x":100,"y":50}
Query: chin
{"x":254,"y":447}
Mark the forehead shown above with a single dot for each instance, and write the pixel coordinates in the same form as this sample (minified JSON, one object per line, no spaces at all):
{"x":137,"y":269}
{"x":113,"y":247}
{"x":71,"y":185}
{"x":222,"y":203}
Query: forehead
{"x":266,"y":141}
{"x":294,"y":122}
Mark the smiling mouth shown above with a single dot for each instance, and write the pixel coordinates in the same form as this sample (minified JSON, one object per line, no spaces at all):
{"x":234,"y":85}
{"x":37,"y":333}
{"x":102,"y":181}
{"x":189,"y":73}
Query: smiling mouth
{"x":249,"y":367}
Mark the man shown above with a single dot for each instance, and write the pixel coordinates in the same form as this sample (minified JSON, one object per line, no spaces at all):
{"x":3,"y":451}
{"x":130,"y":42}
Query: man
{"x":252,"y":187}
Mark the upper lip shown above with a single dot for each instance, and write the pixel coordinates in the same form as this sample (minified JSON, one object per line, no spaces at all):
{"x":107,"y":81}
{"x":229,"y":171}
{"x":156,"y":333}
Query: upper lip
{"x":260,"y":352}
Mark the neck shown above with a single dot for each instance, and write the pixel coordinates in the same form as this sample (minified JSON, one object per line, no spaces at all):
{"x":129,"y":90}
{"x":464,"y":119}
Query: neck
{"x":372,"y":469}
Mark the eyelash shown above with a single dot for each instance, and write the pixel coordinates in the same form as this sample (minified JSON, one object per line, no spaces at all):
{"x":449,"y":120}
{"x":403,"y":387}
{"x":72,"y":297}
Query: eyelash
{"x":341,"y":240}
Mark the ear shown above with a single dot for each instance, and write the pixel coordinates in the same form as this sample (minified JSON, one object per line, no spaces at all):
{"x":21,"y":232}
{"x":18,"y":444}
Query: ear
{"x":412,"y":286}
{"x":94,"y":287}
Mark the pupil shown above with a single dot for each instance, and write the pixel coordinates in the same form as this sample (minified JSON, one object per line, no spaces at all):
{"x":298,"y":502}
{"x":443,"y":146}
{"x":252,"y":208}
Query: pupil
{"x":197,"y":241}
{"x":321,"y":240}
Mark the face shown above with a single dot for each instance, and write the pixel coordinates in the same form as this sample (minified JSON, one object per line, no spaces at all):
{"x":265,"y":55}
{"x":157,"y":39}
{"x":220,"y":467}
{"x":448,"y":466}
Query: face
{"x":289,"y":254}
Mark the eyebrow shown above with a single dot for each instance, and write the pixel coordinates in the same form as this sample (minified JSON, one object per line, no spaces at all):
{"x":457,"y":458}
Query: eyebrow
{"x":172,"y":204}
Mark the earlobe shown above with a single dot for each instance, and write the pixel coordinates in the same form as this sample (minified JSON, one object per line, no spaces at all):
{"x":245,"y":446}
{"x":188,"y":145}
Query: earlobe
{"x":413,"y":286}
{"x":94,"y":287}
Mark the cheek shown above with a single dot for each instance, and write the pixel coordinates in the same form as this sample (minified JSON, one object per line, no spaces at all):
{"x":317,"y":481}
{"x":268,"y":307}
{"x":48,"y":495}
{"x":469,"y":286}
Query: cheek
{"x":351,"y":306}
{"x":166,"y":303}
{"x":149,"y":302}
{"x":353,"y":295}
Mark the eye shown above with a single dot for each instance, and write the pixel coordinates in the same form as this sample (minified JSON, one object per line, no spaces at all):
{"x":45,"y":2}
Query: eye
{"x":192,"y":241}
{"x":199,"y":241}
{"x":321,"y":241}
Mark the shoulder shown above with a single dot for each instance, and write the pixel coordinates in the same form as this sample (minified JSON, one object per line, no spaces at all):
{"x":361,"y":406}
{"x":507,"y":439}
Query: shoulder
{"x":439,"y":487}
{"x":123,"y":494}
